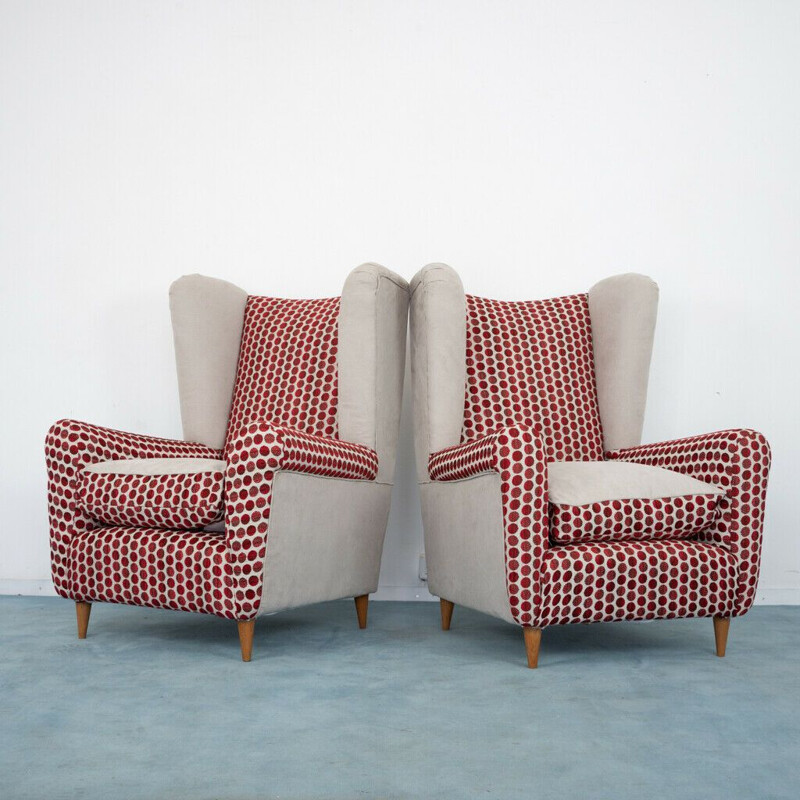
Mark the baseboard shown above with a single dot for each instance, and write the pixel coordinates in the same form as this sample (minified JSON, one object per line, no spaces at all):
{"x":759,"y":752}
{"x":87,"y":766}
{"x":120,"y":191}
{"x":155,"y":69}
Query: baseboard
{"x":789,"y":596}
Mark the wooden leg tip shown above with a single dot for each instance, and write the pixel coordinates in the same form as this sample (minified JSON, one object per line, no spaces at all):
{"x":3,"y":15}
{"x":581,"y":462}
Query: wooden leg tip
{"x":446,"y":607}
{"x":533,"y":638}
{"x":362,"y":606}
{"x":721,"y":627}
{"x":82,"y":611}
{"x":246,"y":629}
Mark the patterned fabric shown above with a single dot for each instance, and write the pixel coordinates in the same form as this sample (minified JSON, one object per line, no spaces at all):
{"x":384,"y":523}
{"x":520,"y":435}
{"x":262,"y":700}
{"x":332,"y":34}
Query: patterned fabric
{"x":518,"y":457}
{"x":152,"y":501}
{"x":146,"y":567}
{"x":635,"y":580}
{"x":71,"y":445}
{"x":254,"y":456}
{"x":531,"y":365}
{"x":287,"y":373}
{"x":636,"y":518}
{"x":737,"y":461}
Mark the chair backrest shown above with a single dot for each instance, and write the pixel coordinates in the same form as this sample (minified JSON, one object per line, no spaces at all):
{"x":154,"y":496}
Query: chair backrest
{"x":573,"y":368}
{"x":331,"y":367}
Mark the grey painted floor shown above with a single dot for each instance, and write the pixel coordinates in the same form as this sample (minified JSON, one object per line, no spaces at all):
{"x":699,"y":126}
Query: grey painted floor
{"x":157,"y":705}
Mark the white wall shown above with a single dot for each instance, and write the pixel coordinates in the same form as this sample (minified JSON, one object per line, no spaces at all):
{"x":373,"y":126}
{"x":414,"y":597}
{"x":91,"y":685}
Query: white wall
{"x":536,"y":147}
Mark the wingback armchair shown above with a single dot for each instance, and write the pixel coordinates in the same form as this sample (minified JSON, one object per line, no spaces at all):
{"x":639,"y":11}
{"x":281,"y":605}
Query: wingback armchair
{"x":540,"y":504}
{"x":279,"y":494}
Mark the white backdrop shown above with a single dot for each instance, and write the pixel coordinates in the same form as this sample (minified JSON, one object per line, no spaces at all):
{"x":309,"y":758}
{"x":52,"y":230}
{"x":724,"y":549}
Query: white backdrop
{"x":535,"y":147}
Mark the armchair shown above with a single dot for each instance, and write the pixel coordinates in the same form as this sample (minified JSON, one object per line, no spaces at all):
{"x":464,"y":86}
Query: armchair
{"x":290,"y":409}
{"x":540,"y":505}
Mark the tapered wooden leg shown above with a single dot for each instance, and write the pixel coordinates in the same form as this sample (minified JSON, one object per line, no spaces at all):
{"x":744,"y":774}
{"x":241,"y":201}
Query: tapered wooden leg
{"x":246,"y":629}
{"x":721,"y":625}
{"x":362,"y":606}
{"x":446,"y":607}
{"x":82,"y":610}
{"x":533,"y":638}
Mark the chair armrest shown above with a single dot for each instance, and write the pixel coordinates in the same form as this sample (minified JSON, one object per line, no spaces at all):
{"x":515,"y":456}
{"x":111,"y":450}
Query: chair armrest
{"x":69,"y":447}
{"x":738,"y":461}
{"x":253,"y":457}
{"x":517,"y":456}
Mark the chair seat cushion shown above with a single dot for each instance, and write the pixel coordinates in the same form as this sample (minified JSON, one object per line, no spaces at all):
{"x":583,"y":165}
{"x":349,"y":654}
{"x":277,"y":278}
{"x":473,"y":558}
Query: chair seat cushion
{"x":607,"y":501}
{"x":172,"y":493}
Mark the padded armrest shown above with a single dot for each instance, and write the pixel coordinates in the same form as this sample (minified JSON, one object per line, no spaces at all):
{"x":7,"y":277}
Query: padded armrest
{"x":738,"y":461}
{"x":70,"y":446}
{"x":517,"y":455}
{"x":254,"y":456}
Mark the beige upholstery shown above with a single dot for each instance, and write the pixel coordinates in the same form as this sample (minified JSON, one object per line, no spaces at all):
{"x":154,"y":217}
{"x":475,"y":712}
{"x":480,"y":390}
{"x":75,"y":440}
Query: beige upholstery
{"x":315,"y":555}
{"x":464,"y":543}
{"x":207,"y":318}
{"x":578,"y":483}
{"x":623,"y":311}
{"x":372,"y":352}
{"x":438,"y":360}
{"x":156,"y":466}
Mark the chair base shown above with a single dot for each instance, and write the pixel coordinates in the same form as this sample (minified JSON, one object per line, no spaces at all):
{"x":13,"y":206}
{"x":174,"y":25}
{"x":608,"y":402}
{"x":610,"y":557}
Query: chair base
{"x":82,"y":611}
{"x":246,"y":629}
{"x":362,"y":606}
{"x":721,"y":626}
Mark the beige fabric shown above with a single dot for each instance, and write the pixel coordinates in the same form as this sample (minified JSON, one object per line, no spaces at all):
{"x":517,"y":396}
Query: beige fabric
{"x":578,"y":483}
{"x":156,"y":466}
{"x":623,"y":310}
{"x":207,"y":319}
{"x":372,"y":351}
{"x":325,"y":540}
{"x":438,"y":360}
{"x":464,"y":543}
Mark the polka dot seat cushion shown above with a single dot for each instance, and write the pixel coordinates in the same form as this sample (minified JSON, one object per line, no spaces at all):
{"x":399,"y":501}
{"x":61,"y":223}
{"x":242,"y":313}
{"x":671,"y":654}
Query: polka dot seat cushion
{"x":618,"y":501}
{"x":181,"y":493}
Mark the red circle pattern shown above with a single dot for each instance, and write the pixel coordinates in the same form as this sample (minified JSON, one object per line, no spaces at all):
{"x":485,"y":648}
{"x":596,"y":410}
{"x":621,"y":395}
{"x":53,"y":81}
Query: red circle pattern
{"x":531,"y":365}
{"x":287,"y":371}
{"x":633,"y":519}
{"x":71,"y":445}
{"x":188,"y":501}
{"x":738,"y":461}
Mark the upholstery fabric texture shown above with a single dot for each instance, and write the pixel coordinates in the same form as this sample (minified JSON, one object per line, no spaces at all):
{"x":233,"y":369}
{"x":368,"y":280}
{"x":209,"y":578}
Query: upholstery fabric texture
{"x":207,"y":317}
{"x":287,"y":366}
{"x":157,"y":493}
{"x":531,"y":364}
{"x":623,"y":312}
{"x":372,"y":355}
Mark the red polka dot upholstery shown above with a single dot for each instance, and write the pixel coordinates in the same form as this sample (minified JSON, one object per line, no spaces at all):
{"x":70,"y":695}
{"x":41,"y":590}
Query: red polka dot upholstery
{"x":634,"y":518}
{"x":254,"y":456}
{"x":737,"y":461}
{"x":147,"y":567}
{"x":69,"y":447}
{"x":635,"y":580}
{"x":517,"y":456}
{"x":287,"y":366}
{"x":153,"y":501}
{"x":531,"y":365}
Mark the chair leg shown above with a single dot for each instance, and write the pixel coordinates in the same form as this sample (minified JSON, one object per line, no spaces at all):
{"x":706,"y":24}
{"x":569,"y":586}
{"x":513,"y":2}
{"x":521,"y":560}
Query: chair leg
{"x":82,"y":610}
{"x":246,"y":628}
{"x":533,"y":638}
{"x":446,"y":607}
{"x":362,"y":606}
{"x":721,"y":625}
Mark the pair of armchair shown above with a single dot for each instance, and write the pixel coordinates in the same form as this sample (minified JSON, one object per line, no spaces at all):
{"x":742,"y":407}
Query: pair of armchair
{"x":540,"y":506}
